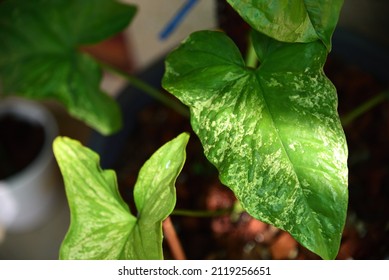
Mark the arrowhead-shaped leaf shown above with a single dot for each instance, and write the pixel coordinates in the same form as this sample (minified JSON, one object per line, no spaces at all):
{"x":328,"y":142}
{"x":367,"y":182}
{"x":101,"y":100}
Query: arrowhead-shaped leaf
{"x":155,"y":196}
{"x":100,"y":220}
{"x":102,"y":226}
{"x":291,"y":20}
{"x":273,"y":132}
{"x":39,"y":55}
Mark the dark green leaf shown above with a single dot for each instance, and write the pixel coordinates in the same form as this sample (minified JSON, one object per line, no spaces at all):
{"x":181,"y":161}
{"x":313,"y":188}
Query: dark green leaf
{"x":273,"y":133}
{"x":39,"y":55}
{"x":102,"y":226}
{"x":292,"y":20}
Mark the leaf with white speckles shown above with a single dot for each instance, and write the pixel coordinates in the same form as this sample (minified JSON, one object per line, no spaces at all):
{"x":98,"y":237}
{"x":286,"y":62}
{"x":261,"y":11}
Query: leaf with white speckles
{"x":102,"y":226}
{"x":273,"y":132}
{"x":291,"y":20}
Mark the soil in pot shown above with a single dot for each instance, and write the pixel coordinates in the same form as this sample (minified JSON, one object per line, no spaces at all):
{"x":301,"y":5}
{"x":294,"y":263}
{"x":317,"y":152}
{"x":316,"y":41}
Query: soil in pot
{"x":21,"y":141}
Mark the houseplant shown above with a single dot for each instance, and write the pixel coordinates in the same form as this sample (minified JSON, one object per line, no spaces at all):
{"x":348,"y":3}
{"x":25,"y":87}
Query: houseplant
{"x":247,"y":118}
{"x":41,"y":60}
{"x":312,"y":49}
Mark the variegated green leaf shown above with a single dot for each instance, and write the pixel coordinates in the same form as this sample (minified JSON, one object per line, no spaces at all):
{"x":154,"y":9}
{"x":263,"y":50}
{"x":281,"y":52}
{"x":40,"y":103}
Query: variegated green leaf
{"x":101,"y":222}
{"x":102,"y":226}
{"x":155,"y":196}
{"x":39,"y":55}
{"x":273,"y":132}
{"x":291,"y":20}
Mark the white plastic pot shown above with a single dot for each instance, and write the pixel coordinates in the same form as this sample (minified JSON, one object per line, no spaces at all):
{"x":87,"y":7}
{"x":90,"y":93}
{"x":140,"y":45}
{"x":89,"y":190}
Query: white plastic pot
{"x":28,"y":198}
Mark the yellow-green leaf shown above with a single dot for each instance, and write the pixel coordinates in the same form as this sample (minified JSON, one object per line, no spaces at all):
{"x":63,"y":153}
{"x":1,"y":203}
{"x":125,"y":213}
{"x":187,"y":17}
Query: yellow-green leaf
{"x":102,"y":226}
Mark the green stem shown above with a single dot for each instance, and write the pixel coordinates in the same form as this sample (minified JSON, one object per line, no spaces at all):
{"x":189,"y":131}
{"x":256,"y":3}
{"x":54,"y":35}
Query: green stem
{"x":364,"y":107}
{"x":201,"y":214}
{"x":251,"y":56}
{"x":153,"y":92}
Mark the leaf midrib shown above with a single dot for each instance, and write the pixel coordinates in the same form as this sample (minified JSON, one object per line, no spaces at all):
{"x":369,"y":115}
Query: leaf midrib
{"x":312,"y":217}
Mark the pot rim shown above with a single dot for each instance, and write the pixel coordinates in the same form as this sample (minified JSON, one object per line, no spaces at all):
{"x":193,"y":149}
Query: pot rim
{"x":36,"y":112}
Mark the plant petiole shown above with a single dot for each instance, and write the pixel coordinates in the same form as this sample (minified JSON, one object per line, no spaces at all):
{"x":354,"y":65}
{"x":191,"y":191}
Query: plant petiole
{"x":146,"y":88}
{"x":251,"y":56}
{"x":364,"y":107}
{"x":202,"y":213}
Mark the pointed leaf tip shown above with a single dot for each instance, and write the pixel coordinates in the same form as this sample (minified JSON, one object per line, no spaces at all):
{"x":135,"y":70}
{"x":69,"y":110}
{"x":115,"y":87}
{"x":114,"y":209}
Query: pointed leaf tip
{"x":274,"y":133}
